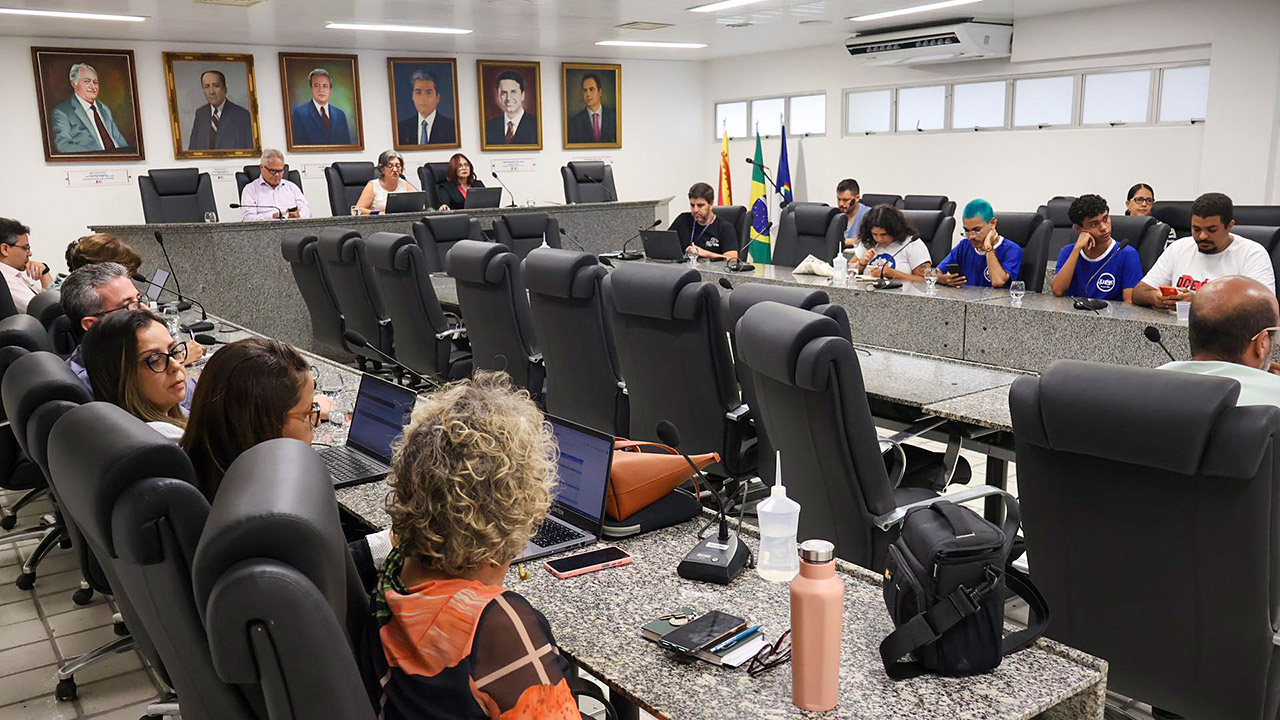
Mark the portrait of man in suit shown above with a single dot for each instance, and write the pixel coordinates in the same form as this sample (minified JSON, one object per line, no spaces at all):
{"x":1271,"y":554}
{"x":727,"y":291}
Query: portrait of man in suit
{"x":430,"y":118}
{"x":510,"y":105}
{"x":322,"y":94}
{"x":82,"y":124}
{"x":318,"y":122}
{"x":591,"y":105}
{"x":213,"y":105}
{"x":220,"y":124}
{"x":87,"y":100}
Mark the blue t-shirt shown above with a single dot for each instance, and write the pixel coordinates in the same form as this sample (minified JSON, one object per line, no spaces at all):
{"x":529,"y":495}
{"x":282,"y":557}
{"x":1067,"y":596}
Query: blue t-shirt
{"x":1117,"y":273}
{"x":974,"y":266}
{"x":851,"y":229}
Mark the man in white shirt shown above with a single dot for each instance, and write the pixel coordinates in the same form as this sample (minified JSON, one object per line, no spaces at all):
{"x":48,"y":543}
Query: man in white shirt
{"x":25,"y":277}
{"x":1233,"y":326}
{"x":1210,"y":252}
{"x":271,"y":193}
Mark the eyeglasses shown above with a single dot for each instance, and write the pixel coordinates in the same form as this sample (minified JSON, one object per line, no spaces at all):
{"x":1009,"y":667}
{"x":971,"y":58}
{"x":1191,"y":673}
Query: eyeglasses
{"x":24,"y":248}
{"x":158,"y":361}
{"x":771,"y":656}
{"x":1271,"y":331}
{"x":973,"y":231}
{"x":135,"y":303}
{"x":1143,"y":201}
{"x":273,"y":171}
{"x":312,"y":416}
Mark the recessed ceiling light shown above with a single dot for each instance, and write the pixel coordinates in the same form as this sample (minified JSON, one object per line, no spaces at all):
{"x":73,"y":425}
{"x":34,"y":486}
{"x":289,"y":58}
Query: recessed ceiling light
{"x":396,"y":28}
{"x":723,"y":5}
{"x":912,"y":10}
{"x":72,"y":15}
{"x":652,"y":44}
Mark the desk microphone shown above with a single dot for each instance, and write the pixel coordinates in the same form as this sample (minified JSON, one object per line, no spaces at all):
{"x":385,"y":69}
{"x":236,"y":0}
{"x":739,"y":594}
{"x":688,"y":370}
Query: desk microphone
{"x":1153,"y":334}
{"x":237,"y":206}
{"x":737,"y":265}
{"x":724,"y":283}
{"x":883,"y":283}
{"x":720,"y":559}
{"x":1086,"y":303}
{"x":604,"y":187}
{"x":204,"y":325}
{"x":186,"y":302}
{"x":355,"y":338}
{"x":565,"y":234}
{"x":764,"y":169}
{"x":624,"y":254}
{"x":504,"y":187}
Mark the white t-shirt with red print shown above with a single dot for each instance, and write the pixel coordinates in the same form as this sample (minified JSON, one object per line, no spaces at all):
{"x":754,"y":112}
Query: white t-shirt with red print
{"x":1183,"y":266}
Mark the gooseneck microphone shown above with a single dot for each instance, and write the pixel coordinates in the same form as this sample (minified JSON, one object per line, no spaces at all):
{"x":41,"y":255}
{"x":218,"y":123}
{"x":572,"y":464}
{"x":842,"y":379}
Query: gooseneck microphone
{"x":565,"y":234}
{"x":204,"y":325}
{"x":1088,"y":303}
{"x":1153,"y":334}
{"x":883,"y":283}
{"x":764,"y":169}
{"x":625,"y":254}
{"x":604,"y":187}
{"x":720,"y":559}
{"x":185,"y":302}
{"x":237,"y":206}
{"x":176,"y":283}
{"x":737,"y":264}
{"x":504,"y":187}
{"x":355,"y":338}
{"x":724,"y":283}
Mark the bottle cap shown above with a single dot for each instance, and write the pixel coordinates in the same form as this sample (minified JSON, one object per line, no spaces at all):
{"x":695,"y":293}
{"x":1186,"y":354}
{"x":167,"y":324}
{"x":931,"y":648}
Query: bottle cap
{"x":817,"y":551}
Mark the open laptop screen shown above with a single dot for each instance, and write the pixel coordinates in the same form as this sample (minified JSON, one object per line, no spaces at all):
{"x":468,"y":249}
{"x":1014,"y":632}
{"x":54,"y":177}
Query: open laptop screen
{"x":583,"y":474}
{"x":381,"y":411}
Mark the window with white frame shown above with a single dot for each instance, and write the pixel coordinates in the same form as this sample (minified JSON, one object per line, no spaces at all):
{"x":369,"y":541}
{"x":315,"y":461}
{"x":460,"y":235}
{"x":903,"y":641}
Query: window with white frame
{"x":731,"y":117}
{"x":1043,"y":101}
{"x":978,"y":105}
{"x":1116,"y":97}
{"x":766,"y":116}
{"x":1184,"y":93}
{"x":868,"y":112}
{"x":922,"y":108}
{"x":807,"y":115}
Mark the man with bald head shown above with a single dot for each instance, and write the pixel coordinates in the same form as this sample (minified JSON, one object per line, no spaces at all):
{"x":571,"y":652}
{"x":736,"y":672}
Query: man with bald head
{"x":1233,"y":327}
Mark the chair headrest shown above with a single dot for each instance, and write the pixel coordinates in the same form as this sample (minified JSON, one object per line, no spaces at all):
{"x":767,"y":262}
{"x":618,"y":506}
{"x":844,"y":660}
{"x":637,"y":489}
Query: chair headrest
{"x":526,"y":226}
{"x":663,"y":292}
{"x":437,"y":171}
{"x":24,"y":331}
{"x":36,"y":379}
{"x":772,"y":338}
{"x":562,"y":273}
{"x":175,"y":181}
{"x":447,"y":228}
{"x":1019,"y":226}
{"x":1072,"y":395}
{"x":747,"y":295}
{"x":1126,"y":227}
{"x":588,"y":170}
{"x":1268,"y":236}
{"x":924,"y":202}
{"x":384,"y":250}
{"x":275,"y":503}
{"x":338,"y":245}
{"x":354,"y":173}
{"x":926,"y":222}
{"x":730,"y":213}
{"x":1057,"y":210}
{"x":297,"y":247}
{"x":478,"y":262}
{"x":46,"y":306}
{"x":813,"y":219}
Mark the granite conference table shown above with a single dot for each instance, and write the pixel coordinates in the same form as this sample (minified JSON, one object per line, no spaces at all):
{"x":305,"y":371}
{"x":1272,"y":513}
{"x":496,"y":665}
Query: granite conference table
{"x":236,"y":270}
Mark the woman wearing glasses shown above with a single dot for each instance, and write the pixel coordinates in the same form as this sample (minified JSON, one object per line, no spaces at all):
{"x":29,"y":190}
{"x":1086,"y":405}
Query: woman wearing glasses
{"x":1139,"y":202}
{"x":459,"y":180}
{"x":134,"y":362}
{"x":390,"y":180}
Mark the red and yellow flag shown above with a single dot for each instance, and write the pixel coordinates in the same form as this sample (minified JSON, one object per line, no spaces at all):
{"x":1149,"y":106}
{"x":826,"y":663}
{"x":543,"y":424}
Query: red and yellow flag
{"x":726,"y":188}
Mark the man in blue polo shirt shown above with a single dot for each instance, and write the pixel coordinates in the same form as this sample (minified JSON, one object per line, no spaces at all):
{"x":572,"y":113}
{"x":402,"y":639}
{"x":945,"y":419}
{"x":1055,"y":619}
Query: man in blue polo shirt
{"x":986,"y":260}
{"x":1095,"y":266}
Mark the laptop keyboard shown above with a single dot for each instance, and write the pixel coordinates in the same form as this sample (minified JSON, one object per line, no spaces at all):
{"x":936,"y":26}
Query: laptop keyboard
{"x":345,"y":465}
{"x":553,"y":533}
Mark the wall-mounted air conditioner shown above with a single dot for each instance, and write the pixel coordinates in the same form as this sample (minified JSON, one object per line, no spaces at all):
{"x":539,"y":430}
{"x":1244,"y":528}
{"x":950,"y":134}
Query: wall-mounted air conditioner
{"x":952,"y":42}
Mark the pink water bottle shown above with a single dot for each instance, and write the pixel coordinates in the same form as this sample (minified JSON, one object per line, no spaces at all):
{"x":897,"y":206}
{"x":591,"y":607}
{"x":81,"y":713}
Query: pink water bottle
{"x":817,"y":622}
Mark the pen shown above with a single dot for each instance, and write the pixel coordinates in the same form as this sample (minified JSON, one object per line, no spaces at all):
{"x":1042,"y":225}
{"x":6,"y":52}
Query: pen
{"x":734,"y":640}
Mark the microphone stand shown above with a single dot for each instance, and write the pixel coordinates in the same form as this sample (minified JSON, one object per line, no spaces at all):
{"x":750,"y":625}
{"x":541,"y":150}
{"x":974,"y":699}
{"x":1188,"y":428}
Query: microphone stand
{"x":717,"y":559}
{"x":604,"y":187}
{"x":355,"y":338}
{"x":504,"y":187}
{"x":565,"y":234}
{"x":283,"y":214}
{"x":1096,"y":304}
{"x":624,"y":254}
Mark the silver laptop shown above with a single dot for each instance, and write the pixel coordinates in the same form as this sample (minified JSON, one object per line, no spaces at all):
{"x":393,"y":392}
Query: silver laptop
{"x":577,"y":511}
{"x":483,"y":197}
{"x":662,"y":245}
{"x":381,"y":411}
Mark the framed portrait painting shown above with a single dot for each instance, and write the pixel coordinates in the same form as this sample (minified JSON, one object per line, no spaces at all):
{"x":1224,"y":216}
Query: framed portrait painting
{"x":213,"y":105}
{"x":510,"y":105}
{"x":321,"y":102}
{"x":591,"y":110}
{"x":424,"y":103}
{"x":88,"y":104}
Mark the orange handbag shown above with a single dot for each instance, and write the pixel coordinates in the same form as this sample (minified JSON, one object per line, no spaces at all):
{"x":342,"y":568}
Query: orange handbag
{"x":644,"y":472}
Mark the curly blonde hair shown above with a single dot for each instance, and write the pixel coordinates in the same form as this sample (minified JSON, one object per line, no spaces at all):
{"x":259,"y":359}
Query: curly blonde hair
{"x":471,"y":477}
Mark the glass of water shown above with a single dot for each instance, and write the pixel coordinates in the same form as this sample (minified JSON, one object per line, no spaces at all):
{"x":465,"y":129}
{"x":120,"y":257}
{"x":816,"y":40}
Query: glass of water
{"x":931,"y":280}
{"x":172,"y":319}
{"x":1017,"y":289}
{"x":691,"y":254}
{"x":355,"y":209}
{"x":211,"y":217}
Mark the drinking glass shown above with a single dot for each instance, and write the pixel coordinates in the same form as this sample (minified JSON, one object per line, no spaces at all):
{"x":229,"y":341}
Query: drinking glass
{"x":172,"y":319}
{"x":691,"y":255}
{"x":211,"y":217}
{"x":355,"y":209}
{"x":931,"y":280}
{"x":1017,"y":289}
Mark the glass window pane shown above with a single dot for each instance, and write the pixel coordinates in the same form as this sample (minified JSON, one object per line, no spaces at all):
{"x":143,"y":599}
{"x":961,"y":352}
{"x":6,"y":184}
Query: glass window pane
{"x":868,"y":112}
{"x":1184,"y":94}
{"x":978,"y":105}
{"x":732,"y":116}
{"x":1116,"y":97}
{"x":1043,"y":101}
{"x":922,"y":108}
{"x":808,"y":115}
{"x":766,"y":116}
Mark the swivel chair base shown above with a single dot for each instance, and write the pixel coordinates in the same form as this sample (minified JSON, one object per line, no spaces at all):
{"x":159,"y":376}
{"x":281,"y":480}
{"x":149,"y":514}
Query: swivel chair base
{"x":9,"y":518}
{"x":66,"y":688}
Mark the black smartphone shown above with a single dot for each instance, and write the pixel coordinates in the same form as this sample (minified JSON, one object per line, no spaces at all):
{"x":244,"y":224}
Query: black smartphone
{"x":717,"y":259}
{"x":292,"y":209}
{"x":702,"y":631}
{"x":586,"y":562}
{"x":953,"y":269}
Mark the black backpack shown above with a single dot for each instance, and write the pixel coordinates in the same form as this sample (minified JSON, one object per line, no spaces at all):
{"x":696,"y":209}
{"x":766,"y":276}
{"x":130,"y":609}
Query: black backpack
{"x":945,"y":580}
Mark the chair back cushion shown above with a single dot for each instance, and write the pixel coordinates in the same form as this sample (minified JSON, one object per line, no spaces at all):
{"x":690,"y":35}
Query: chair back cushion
{"x":346,"y":265}
{"x":808,"y":230}
{"x":495,"y":307}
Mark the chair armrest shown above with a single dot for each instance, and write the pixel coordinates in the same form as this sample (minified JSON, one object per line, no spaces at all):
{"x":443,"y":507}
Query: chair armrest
{"x":452,"y":333}
{"x":738,"y":414}
{"x":537,"y":359}
{"x":887,"y":444}
{"x":920,"y":428}
{"x":4,"y":425}
{"x":889,"y":519}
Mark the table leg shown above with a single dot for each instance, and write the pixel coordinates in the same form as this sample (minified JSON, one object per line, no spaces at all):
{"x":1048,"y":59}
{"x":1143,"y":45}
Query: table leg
{"x":627,"y":710}
{"x":997,"y":476}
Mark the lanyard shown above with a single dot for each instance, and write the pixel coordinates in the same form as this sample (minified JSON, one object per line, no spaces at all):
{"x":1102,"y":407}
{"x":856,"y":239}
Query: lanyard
{"x":693,"y":238}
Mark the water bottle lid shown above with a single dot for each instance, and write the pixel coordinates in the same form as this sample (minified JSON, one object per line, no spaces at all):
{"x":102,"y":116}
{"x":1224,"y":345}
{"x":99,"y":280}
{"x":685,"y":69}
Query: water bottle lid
{"x":817,"y":551}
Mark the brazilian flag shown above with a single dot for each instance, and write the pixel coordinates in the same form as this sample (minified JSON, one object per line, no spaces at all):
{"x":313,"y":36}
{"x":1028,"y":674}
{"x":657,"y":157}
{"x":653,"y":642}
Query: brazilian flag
{"x":760,"y":247}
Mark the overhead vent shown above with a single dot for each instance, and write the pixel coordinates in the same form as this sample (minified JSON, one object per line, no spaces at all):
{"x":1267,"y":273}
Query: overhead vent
{"x":953,"y":42}
{"x":643,"y":26}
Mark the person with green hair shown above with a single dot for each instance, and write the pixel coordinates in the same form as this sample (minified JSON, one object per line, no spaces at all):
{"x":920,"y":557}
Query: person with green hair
{"x":986,"y":260}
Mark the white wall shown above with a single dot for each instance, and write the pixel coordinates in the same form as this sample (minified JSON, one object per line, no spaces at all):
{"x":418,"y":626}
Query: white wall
{"x":1235,"y":152}
{"x":660,"y":154}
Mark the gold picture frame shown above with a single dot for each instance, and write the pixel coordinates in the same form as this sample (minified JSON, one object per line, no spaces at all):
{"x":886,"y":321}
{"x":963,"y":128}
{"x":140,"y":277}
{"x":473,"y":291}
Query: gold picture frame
{"x":191,"y":99}
{"x":441,"y":74}
{"x":303,"y":126}
{"x":578,"y":81}
{"x":510,"y":79}
{"x":67,"y":131}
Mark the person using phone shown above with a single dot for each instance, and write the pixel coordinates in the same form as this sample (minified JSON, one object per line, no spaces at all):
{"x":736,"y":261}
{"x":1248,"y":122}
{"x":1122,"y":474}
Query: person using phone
{"x":986,"y":260}
{"x":1211,"y":251}
{"x":889,"y":247}
{"x":471,"y":482}
{"x":1093,"y":267}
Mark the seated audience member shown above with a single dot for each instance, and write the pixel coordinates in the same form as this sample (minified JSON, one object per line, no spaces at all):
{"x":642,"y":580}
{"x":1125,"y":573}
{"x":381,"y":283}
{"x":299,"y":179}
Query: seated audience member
{"x":101,"y":248}
{"x":390,"y":168}
{"x":1139,"y":202}
{"x":889,"y":246}
{"x":848,"y":198}
{"x":1091,"y":267}
{"x":92,"y":292}
{"x":986,"y":260}
{"x":134,"y":362}
{"x":710,"y":236}
{"x":1233,"y":326}
{"x":271,"y":193}
{"x":1211,"y":251}
{"x":25,"y":277}
{"x":459,"y":180}
{"x":471,"y":482}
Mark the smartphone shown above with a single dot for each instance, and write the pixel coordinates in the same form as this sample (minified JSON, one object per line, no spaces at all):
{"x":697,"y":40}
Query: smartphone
{"x":1168,"y":291}
{"x":292,"y":209}
{"x":591,"y":561}
{"x":953,"y":269}
{"x":703,"y":631}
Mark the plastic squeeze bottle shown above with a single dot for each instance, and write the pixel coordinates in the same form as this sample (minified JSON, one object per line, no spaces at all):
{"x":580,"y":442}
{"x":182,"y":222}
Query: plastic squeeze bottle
{"x":779,"y":518}
{"x":817,"y":623}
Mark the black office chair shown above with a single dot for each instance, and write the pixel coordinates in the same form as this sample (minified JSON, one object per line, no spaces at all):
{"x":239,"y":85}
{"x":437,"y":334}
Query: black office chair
{"x":588,"y":182}
{"x":271,"y":577}
{"x":1128,"y":529}
{"x":47,"y":308}
{"x":346,"y":180}
{"x":936,"y":229}
{"x":808,"y":230}
{"x":7,"y":308}
{"x":1062,"y":233}
{"x":930,"y":202}
{"x":1267,"y":236}
{"x":1266,"y":215}
{"x":346,"y":265}
{"x":873,"y":199}
{"x":1146,"y":235}
{"x":740,"y":220}
{"x":425,"y":340}
{"x":249,"y":173}
{"x":437,"y":234}
{"x":430,"y":175}
{"x":808,"y":386}
{"x":176,"y":195}
{"x":300,"y":250}
{"x":523,"y":233}
{"x":495,"y":306}
{"x":584,"y":381}
{"x":1176,"y":214}
{"x":1031,"y":232}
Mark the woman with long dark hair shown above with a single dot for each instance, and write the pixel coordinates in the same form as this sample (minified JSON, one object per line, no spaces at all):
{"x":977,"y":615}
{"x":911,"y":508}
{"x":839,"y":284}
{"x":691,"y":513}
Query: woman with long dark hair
{"x":889,"y":246}
{"x":459,"y":180}
{"x":133,"y":362}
